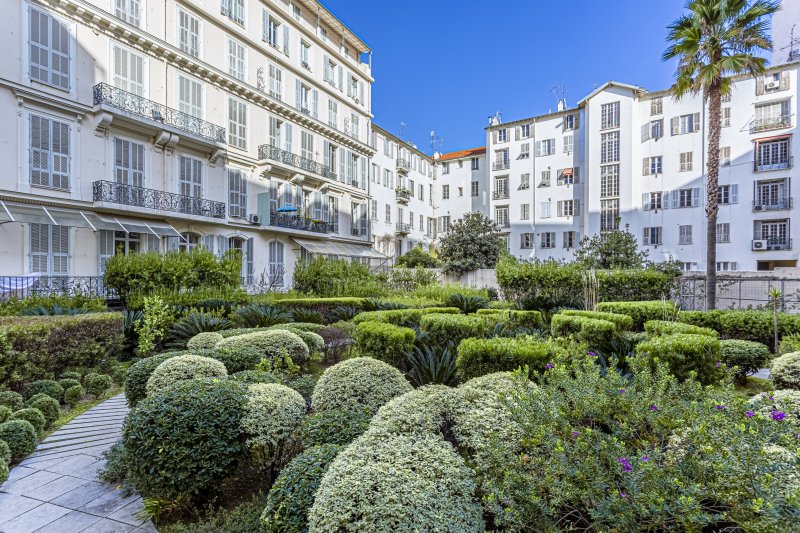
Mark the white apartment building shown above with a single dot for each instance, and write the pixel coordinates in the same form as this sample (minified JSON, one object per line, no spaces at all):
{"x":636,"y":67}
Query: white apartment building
{"x":401,"y":195}
{"x":461,"y":187}
{"x":166,"y":124}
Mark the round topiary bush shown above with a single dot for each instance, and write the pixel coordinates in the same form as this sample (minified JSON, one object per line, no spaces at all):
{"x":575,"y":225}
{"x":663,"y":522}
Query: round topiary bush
{"x":786,"y":371}
{"x":49,"y":407}
{"x":748,"y":356}
{"x":3,"y":472}
{"x":35,"y":397}
{"x":272,"y":418}
{"x":387,"y":483}
{"x":358,"y":384}
{"x":250,"y":377}
{"x":235,"y":359}
{"x":203,"y":341}
{"x":45,"y":386}
{"x":67,"y":383}
{"x":139,"y":373}
{"x":5,"y":413}
{"x":5,"y":452}
{"x":182,"y":368}
{"x":292,"y":495}
{"x":13,"y":400}
{"x":334,"y":427}
{"x":34,"y":416}
{"x":273,"y":344}
{"x":425,"y":410}
{"x":186,"y":439}
{"x":118,"y":375}
{"x":73,"y":395}
{"x":71,"y":374}
{"x":20,"y":436}
{"x":98,"y":384}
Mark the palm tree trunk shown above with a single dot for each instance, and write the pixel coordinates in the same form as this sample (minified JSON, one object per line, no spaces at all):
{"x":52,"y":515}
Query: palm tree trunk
{"x":714,"y":98}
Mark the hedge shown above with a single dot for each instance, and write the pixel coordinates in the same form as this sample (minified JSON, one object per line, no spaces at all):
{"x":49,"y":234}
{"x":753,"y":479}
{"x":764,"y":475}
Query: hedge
{"x":397,"y":317}
{"x":477,"y":357}
{"x":528,"y":319}
{"x":592,"y":331}
{"x":684,"y":353}
{"x":622,"y":322}
{"x":744,"y":325}
{"x":41,"y":347}
{"x":442,"y":328}
{"x":641,"y":312}
{"x":747,"y":356}
{"x":321,"y":303}
{"x":665,"y":327}
{"x":386,"y":342}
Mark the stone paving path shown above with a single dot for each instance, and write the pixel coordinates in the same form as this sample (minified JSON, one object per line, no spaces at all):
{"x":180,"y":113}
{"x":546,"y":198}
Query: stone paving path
{"x":55,"y":489}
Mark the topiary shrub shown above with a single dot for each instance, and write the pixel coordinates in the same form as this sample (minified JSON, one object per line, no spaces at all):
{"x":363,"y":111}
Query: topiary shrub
{"x":443,"y":328}
{"x":182,"y":368}
{"x":314,"y":341}
{"x":641,"y":312}
{"x":5,"y":453}
{"x":748,"y":356}
{"x":416,"y":483}
{"x":186,"y":439}
{"x":12,"y":400}
{"x":5,"y":413}
{"x":35,"y":397}
{"x":358,"y":384}
{"x":99,"y":384}
{"x":292,"y":495}
{"x":88,"y":378}
{"x":398,"y":317}
{"x":250,"y":377}
{"x":44,"y":386}
{"x":786,"y":371}
{"x":525,"y":319}
{"x":663,"y":327}
{"x":49,"y":407}
{"x":34,"y":416}
{"x":593,"y":331}
{"x":73,"y":395}
{"x":20,"y":435}
{"x":334,"y":427}
{"x":426,"y":410}
{"x":235,"y":358}
{"x":685,"y":353}
{"x":623,"y":322}
{"x":477,"y":357}
{"x":139,"y":373}
{"x":313,"y":327}
{"x":118,"y":375}
{"x":203,"y":341}
{"x":71,"y":374}
{"x":3,"y":472}
{"x":790,"y":343}
{"x":384,"y":341}
{"x":273,"y":344}
{"x":67,"y":383}
{"x":272,"y":418}
{"x":302,"y":383}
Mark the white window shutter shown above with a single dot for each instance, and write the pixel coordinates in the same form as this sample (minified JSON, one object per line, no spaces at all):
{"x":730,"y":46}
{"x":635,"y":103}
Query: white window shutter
{"x":298,"y":95}
{"x":734,"y":194}
{"x":675,"y":199}
{"x":248,"y":261}
{"x":785,"y":80}
{"x":314,"y":103}
{"x":696,"y":122}
{"x":287,"y":134}
{"x":576,"y":207}
{"x":208,"y":243}
{"x":341,"y":77}
{"x":646,"y":166}
{"x":494,"y":137}
{"x":222,"y":245}
{"x":646,"y":201}
{"x":361,"y":92}
{"x":286,"y":39}
{"x":645,"y":132}
{"x":665,"y":200}
{"x":538,"y":148}
{"x":695,"y":196}
{"x":326,"y":156}
{"x":674,"y":123}
{"x":516,"y":133}
{"x":342,"y":176}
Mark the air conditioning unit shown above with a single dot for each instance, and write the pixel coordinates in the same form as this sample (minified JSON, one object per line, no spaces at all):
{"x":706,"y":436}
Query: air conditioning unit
{"x":254,"y":219}
{"x":758,"y":208}
{"x":770,"y":85}
{"x":760,"y":245}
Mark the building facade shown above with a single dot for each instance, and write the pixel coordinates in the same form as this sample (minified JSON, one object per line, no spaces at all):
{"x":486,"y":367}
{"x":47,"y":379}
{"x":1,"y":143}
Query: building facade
{"x":461,"y":187}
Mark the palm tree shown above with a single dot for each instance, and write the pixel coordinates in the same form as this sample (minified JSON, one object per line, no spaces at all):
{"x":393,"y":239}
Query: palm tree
{"x":714,"y":41}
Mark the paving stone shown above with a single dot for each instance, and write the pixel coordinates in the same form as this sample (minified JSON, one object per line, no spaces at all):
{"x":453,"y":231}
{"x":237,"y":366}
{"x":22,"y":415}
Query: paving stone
{"x":82,"y":495}
{"x":128,"y":514}
{"x":13,"y":505}
{"x":105,"y":525}
{"x":72,"y":522}
{"x":40,"y":463}
{"x":56,"y":488}
{"x":109,"y":502}
{"x":18,"y":473}
{"x":36,"y":518}
{"x":73,"y":465}
{"x":30,"y":483}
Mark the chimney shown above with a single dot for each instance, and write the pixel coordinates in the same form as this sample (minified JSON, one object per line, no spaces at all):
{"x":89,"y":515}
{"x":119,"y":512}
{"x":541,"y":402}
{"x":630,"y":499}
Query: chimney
{"x":562,"y":105}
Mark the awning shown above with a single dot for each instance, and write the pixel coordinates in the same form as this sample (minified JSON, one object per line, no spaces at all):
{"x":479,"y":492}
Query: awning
{"x":566,"y":172}
{"x":154,"y":227}
{"x":340,"y":249}
{"x":773,"y":138}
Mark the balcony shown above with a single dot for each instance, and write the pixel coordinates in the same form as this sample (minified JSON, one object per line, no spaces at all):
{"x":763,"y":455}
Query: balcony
{"x":503,"y":223}
{"x":402,"y":195}
{"x":776,"y":205}
{"x":403,"y":165}
{"x":106,"y":95}
{"x":501,"y":165}
{"x":771,"y":244}
{"x":403,"y":229}
{"x":501,"y":194}
{"x":298,"y":222}
{"x":770,"y":123}
{"x":781,"y":164}
{"x":139,"y":197}
{"x":267,"y":151}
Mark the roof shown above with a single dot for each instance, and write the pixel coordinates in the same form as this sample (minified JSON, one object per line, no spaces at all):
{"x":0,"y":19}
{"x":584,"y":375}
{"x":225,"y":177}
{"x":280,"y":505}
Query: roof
{"x":608,"y":84}
{"x":462,"y":153}
{"x":407,"y":144}
{"x":326,"y":16}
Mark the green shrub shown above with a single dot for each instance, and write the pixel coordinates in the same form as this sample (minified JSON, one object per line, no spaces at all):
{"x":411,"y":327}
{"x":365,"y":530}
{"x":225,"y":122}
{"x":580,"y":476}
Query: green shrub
{"x":273,"y":344}
{"x":313,"y":340}
{"x":99,"y":384}
{"x":300,"y":326}
{"x":303,"y":383}
{"x":397,"y":317}
{"x":44,"y":386}
{"x":250,"y":377}
{"x":73,"y":395}
{"x":5,"y":413}
{"x":417,"y":257}
{"x":20,"y":435}
{"x":89,"y":377}
{"x":416,"y":483}
{"x":684,"y":353}
{"x":786,"y":371}
{"x":748,"y":356}
{"x":203,"y":341}
{"x":358,"y":384}
{"x":477,"y":357}
{"x":139,"y":373}
{"x":71,"y":374}
{"x":34,"y":416}
{"x":664,"y":327}
{"x":790,"y":343}
{"x":315,"y":303}
{"x":426,"y":410}
{"x":49,"y":407}
{"x":261,"y":316}
{"x":5,"y":453}
{"x":44,"y":346}
{"x":3,"y":472}
{"x":193,"y":324}
{"x":272,"y":418}
{"x":292,"y":494}
{"x":593,"y":331}
{"x":384,"y":341}
{"x":525,"y":319}
{"x":67,"y":383}
{"x":467,"y":304}
{"x":118,"y":375}
{"x":35,"y":397}
{"x":641,"y":312}
{"x":183,"y":368}
{"x":116,"y":467}
{"x":744,"y":325}
{"x":11,"y":399}
{"x":334,"y":427}
{"x":335,"y":277}
{"x":784,"y":401}
{"x":15,"y":306}
{"x":443,"y":328}
{"x":235,"y":358}
{"x":621,"y":321}
{"x":442,"y":310}
{"x":186,"y":439}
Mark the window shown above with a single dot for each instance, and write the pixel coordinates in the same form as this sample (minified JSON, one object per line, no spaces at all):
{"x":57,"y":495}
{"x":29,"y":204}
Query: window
{"x":525,"y":131}
{"x":49,"y":249}
{"x":387,"y":216}
{"x":502,"y":135}
{"x":652,"y":165}
{"x":685,"y":124}
{"x":475,"y":189}
{"x":444,"y":224}
{"x":609,"y":215}
{"x":548,"y":239}
{"x":128,"y":72}
{"x":237,"y":192}
{"x":128,"y":10}
{"x":306,"y":99}
{"x":49,"y":153}
{"x":653,"y":130}
{"x":190,"y":182}
{"x":307,"y":145}
{"x":570,"y":237}
{"x":725,"y":156}
{"x":329,"y":72}
{"x":501,"y":187}
{"x":686,"y":162}
{"x":775,"y":232}
{"x":421,"y":192}
{"x":333,"y":114}
{"x":501,"y":216}
{"x":687,"y":197}
{"x":726,"y":265}
{"x":276,"y":82}
{"x":237,"y":123}
{"x":271,"y":30}
{"x":656,"y":106}
{"x":524,"y":182}
{"x":609,"y":116}
{"x":609,"y":147}
{"x":568,"y":176}
{"x":355,"y":128}
{"x":545,"y":181}
{"x":276,"y":265}
{"x":725,"y":117}
{"x":772,"y":155}
{"x":49,"y":50}
{"x":188,"y":33}
{"x":684,"y":234}
{"x":724,"y":232}
{"x":525,"y":151}
{"x":234,"y":10}
{"x":772,"y":115}
{"x":445,"y":192}
{"x":305,"y":55}
{"x":190,"y":96}
{"x":128,"y":163}
{"x":236,"y":61}
{"x":475,"y":163}
{"x":652,"y":236}
{"x":569,"y":122}
{"x":729,"y":194}
{"x":445,"y":169}
{"x":652,"y":200}
{"x":772,"y":82}
{"x":460,"y":191}
{"x":772,"y":194}
{"x":544,"y":209}
{"x":526,"y":241}
{"x":525,"y":211}
{"x":568,"y":144}
{"x":545,"y":147}
{"x":568,"y":208}
{"x":609,"y":181}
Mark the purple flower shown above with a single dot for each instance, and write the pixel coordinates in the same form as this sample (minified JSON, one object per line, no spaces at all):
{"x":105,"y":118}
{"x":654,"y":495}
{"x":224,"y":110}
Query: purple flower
{"x":575,"y":433}
{"x":626,"y":465}
{"x":719,"y":364}
{"x":592,"y":354}
{"x":548,"y":366}
{"x":771,"y":398}
{"x":719,"y":407}
{"x":653,"y":407}
{"x":749,"y":414}
{"x":622,"y":494}
{"x":621,"y":391}
{"x":778,"y":415}
{"x":645,"y":459}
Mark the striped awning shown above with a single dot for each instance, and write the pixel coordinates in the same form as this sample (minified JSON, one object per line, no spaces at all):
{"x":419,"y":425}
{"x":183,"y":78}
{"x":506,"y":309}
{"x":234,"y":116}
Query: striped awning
{"x":339,"y":249}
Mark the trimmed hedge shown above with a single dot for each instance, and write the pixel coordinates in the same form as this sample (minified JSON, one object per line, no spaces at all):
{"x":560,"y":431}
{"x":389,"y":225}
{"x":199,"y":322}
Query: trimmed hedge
{"x":786,"y":371}
{"x":272,"y":344}
{"x":477,"y":357}
{"x":684,"y":353}
{"x":34,"y":416}
{"x":396,"y":317}
{"x":41,"y":347}
{"x":442,"y":328}
{"x":183,"y":368}
{"x":315,"y":303}
{"x":528,"y":319}
{"x":664,"y":327}
{"x":44,"y":386}
{"x":641,"y":312}
{"x":203,"y":341}
{"x":139,"y":373}
{"x":382,"y":341}
{"x":744,"y":325}
{"x":593,"y":331}
{"x":621,"y":321}
{"x":748,"y":356}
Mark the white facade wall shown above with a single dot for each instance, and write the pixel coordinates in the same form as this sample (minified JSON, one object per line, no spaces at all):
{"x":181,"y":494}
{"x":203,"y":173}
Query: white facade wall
{"x":461,"y":187}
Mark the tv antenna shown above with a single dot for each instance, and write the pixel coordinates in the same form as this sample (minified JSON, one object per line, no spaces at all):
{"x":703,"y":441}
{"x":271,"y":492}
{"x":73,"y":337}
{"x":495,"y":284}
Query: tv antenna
{"x":560,"y":90}
{"x":403,"y":130}
{"x":793,"y":46}
{"x":436,"y":142}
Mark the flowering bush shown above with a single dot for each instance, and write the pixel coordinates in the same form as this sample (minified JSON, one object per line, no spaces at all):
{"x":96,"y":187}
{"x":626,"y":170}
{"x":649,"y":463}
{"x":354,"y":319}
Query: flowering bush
{"x":272,"y":418}
{"x":748,"y":356}
{"x":685,"y":353}
{"x":203,"y":341}
{"x":786,"y":371}
{"x":182,"y":368}
{"x":779,"y":404}
{"x":665,"y":327}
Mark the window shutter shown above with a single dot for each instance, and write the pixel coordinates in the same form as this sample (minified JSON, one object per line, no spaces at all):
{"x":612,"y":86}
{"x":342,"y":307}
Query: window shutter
{"x":287,"y":134}
{"x":314,"y":103}
{"x":326,"y":156}
{"x":105,"y":244}
{"x":361,"y":92}
{"x":60,"y":56}
{"x":665,"y":200}
{"x":341,"y":77}
{"x":576,"y":207}
{"x":494,"y":137}
{"x":248,"y":261}
{"x":298,"y":94}
{"x":516,"y":133}
{"x":40,"y":151}
{"x":576,"y":175}
{"x":327,"y":75}
{"x":538,"y":148}
{"x":342,"y":176}
{"x":645,"y":132}
{"x":286,"y":39}
{"x":673,"y":122}
{"x":785,"y":80}
{"x":173,"y":243}
{"x":646,"y":166}
{"x":675,"y":198}
{"x":363,"y":163}
{"x":222,"y":245}
{"x":61,"y":159}
{"x":696,"y":121}
{"x":576,"y":121}
{"x":734,"y":194}
{"x":646,"y":236}
{"x":695,"y":196}
{"x":208,"y":242}
{"x":560,"y":208}
{"x":760,"y":86}
{"x":646,"y":201}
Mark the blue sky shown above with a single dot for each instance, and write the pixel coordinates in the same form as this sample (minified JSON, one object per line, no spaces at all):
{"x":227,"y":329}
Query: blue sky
{"x":447,"y":65}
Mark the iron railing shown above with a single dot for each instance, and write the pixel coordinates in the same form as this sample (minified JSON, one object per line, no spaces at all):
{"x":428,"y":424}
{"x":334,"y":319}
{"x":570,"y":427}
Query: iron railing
{"x":298,"y":222}
{"x":785,"y":163}
{"x":774,"y":243}
{"x":502,"y":194}
{"x":22,"y":287}
{"x":268,"y":151}
{"x":776,"y":205}
{"x":106,"y":94}
{"x":771,"y":123}
{"x":402,"y":194}
{"x":501,"y":165}
{"x":118,"y":193}
{"x":403,"y":164}
{"x":403,"y":228}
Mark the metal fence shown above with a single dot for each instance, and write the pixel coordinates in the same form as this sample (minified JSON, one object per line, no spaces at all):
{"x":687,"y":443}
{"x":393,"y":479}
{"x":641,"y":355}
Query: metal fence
{"x":26,"y":286}
{"x":744,"y":290}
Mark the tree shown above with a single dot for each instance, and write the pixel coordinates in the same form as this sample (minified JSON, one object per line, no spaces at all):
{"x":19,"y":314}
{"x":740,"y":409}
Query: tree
{"x":472,"y":243}
{"x":417,"y":257}
{"x":715,"y":40}
{"x":613,"y":249}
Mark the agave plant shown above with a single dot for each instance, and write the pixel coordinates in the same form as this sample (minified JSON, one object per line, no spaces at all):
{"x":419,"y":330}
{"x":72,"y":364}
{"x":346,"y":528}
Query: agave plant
{"x":56,"y":309}
{"x":194,"y":323}
{"x":261,"y":316}
{"x":343,"y":313}
{"x":432,"y":364}
{"x":467,"y":304}
{"x":302,"y":314}
{"x":130,"y":320}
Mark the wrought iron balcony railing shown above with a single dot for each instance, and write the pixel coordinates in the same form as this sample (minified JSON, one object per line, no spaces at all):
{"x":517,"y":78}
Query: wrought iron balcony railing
{"x":118,"y":193}
{"x":781,"y":164}
{"x":403,"y":164}
{"x":500,"y":165}
{"x":136,"y":105}
{"x":403,"y":195}
{"x":298,"y":222}
{"x":54,"y":285}
{"x":773,"y":205}
{"x":267,"y":151}
{"x":502,"y":194}
{"x":773,"y":243}
{"x":403,"y":228}
{"x":770,"y":123}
